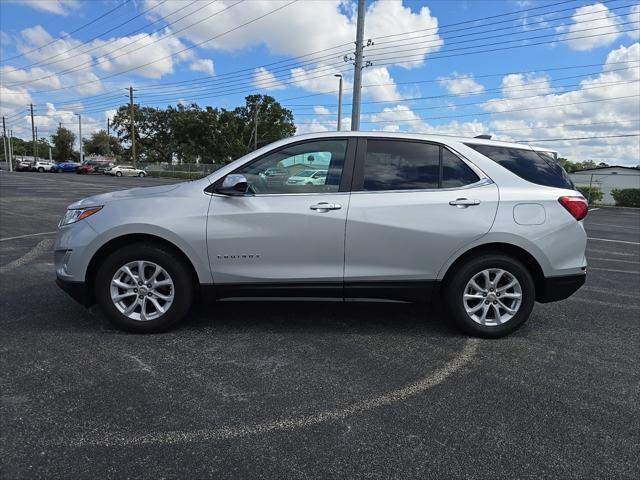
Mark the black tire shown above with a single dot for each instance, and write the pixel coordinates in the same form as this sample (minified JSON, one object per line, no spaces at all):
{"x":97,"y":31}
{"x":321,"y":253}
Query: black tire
{"x":40,"y":170}
{"x":457,"y":281}
{"x":182,"y":279}
{"x":118,"y":174}
{"x":141,"y":174}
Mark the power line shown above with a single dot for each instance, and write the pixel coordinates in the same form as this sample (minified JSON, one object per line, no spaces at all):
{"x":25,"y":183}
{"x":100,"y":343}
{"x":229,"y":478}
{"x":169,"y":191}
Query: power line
{"x":132,"y":32}
{"x":578,"y":138}
{"x":64,"y":37}
{"x":490,"y":113}
{"x":458,"y":23}
{"x":192,"y":46}
{"x":90,"y":63}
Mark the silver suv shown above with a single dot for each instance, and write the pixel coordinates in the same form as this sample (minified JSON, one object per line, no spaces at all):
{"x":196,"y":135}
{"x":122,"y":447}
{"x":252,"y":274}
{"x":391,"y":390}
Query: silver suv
{"x":488,"y":227}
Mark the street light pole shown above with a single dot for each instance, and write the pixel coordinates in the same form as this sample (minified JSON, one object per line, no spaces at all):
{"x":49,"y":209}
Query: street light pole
{"x":339,"y":100}
{"x":80,"y":134}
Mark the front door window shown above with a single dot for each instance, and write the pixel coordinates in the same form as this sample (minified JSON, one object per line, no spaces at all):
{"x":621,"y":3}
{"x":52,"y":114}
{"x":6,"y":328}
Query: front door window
{"x":310,"y":167}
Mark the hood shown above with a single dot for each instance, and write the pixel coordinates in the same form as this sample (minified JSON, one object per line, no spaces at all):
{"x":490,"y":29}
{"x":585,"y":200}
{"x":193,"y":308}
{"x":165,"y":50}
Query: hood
{"x":142,"y":192}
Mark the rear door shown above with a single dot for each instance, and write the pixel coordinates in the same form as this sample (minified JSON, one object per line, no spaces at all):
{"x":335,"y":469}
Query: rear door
{"x":413,"y":205}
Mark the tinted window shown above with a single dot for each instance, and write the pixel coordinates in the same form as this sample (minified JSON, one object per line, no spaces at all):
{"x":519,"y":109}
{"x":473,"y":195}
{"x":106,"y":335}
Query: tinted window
{"x":456,"y":173}
{"x":280,"y":171}
{"x":534,"y":167}
{"x":401,"y":165}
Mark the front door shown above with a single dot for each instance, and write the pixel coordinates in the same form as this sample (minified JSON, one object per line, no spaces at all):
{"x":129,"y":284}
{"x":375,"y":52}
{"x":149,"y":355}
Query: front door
{"x":413,"y":205}
{"x":288,"y":232}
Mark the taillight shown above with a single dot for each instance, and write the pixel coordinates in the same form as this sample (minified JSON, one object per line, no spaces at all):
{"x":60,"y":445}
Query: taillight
{"x":576,"y":206}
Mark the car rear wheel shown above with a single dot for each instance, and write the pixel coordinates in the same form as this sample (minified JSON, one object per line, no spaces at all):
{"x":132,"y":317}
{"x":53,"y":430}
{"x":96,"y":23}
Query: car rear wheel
{"x":144,"y":288}
{"x":40,"y":170}
{"x":490,"y":296}
{"x":118,"y":174}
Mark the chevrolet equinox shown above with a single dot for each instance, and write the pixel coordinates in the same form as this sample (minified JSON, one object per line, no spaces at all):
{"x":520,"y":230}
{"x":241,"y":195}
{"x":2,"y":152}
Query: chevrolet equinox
{"x":487,"y":227}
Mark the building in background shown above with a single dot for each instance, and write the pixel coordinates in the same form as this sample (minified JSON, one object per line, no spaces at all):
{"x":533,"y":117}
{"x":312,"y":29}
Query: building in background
{"x":606,"y":179}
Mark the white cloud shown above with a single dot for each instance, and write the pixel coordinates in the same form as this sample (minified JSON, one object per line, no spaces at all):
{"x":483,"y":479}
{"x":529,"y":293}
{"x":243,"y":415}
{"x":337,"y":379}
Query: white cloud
{"x":519,"y":85}
{"x":16,"y":77}
{"x":58,"y":7}
{"x":588,"y":17}
{"x":320,"y":110}
{"x":265,"y":80}
{"x":462,"y":85}
{"x":202,"y":65}
{"x":387,"y":91}
{"x":319,"y":79}
{"x":634,"y":16}
{"x":150,"y":52}
{"x":302,"y":27}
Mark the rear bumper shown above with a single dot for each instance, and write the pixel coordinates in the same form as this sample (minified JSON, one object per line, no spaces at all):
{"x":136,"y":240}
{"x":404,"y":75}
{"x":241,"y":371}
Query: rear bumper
{"x":559,"y":288}
{"x":76,"y":290}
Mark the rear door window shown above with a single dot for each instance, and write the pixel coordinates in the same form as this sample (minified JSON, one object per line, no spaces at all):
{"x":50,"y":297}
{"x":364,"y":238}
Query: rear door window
{"x":400,"y":165}
{"x":411,"y":165}
{"x":535,"y":167}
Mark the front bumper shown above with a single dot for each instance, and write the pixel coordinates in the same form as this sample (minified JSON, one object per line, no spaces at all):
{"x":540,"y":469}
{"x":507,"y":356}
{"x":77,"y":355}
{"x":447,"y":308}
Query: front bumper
{"x":559,"y":288}
{"x":77,"y":290}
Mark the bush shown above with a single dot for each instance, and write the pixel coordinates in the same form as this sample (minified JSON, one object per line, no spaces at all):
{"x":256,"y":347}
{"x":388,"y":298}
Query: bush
{"x":593,"y":194}
{"x":174,"y":174}
{"x":626,"y":197}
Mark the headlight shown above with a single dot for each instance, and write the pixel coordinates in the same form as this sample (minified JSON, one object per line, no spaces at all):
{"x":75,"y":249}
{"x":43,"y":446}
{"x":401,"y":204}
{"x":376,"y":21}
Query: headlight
{"x":74,"y":215}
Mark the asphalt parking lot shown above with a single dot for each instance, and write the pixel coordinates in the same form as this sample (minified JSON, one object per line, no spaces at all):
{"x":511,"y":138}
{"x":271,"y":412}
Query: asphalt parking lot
{"x":311,"y":390}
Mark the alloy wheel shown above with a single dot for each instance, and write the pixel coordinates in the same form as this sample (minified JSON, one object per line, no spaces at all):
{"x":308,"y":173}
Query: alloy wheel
{"x":142,"y":290}
{"x":492,"y":297}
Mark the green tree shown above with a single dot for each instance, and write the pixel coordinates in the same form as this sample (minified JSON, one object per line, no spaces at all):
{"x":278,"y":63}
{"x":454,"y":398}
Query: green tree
{"x":152,"y":130}
{"x":101,"y":144}
{"x":63,"y":141}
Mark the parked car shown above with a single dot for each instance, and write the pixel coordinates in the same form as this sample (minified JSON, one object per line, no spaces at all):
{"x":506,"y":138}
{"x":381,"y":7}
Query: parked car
{"x":94,"y":166}
{"x":42,"y":166}
{"x":274,"y":176}
{"x":126,"y":171}
{"x":485,"y":227}
{"x":309,"y":177}
{"x":24,"y":166}
{"x":68,"y":166}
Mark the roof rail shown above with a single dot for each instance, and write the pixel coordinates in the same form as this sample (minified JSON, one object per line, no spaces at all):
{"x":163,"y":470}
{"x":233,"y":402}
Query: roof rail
{"x":484,"y":136}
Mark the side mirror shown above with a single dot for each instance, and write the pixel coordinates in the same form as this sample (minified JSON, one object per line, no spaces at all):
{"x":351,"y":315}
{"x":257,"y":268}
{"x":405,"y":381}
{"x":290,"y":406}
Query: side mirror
{"x":233,"y":185}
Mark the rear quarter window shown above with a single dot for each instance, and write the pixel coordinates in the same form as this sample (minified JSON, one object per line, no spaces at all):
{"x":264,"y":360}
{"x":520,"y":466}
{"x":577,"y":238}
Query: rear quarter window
{"x":535,"y":167}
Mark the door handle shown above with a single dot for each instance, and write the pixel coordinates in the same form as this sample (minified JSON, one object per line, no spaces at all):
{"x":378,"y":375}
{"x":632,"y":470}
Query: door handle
{"x":325,"y":207}
{"x":464,"y":202}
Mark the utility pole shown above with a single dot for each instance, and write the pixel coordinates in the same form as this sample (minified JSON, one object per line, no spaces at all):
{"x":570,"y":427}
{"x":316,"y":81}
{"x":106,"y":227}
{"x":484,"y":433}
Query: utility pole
{"x":133,"y":129}
{"x":11,"y":150}
{"x":339,"y":99}
{"x":80,"y":135}
{"x":37,"y":156}
{"x":59,"y":124}
{"x":4,"y":140}
{"x":255,"y":127}
{"x":108,"y":138}
{"x":357,"y":73}
{"x":33,"y":133}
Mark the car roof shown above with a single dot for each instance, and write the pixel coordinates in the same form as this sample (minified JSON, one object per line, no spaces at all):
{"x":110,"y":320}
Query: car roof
{"x":420,"y":136}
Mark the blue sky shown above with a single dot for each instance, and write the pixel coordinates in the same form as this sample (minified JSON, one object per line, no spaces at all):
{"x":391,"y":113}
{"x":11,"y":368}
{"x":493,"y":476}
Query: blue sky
{"x":520,"y":70}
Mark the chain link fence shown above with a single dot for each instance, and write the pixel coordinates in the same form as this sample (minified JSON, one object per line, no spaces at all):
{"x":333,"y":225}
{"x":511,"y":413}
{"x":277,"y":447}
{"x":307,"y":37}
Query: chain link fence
{"x":183,"y":170}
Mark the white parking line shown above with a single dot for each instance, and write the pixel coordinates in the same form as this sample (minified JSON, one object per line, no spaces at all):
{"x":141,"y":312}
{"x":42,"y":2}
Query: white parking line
{"x":593,"y":209}
{"x":615,"y":270}
{"x":32,"y":254}
{"x":106,"y":438}
{"x":613,"y":241}
{"x":26,"y":236}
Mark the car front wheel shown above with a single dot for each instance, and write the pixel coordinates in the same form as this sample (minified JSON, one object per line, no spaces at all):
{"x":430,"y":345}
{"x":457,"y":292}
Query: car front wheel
{"x":40,"y":170}
{"x":490,"y":296}
{"x":141,"y":174}
{"x":144,"y":288}
{"x":118,"y":174}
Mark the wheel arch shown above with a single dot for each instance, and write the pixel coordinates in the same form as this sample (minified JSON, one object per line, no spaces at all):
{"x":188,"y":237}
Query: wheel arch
{"x":519,"y":253}
{"x":128,"y":239}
